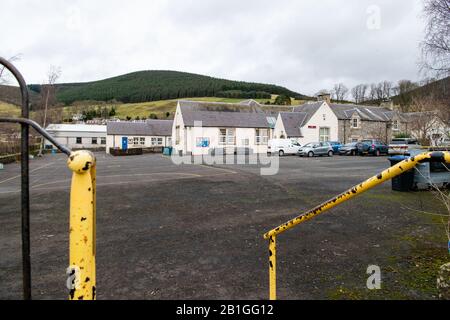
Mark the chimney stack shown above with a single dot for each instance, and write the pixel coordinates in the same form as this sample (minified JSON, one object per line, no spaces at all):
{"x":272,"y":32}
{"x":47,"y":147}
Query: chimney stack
{"x":387,"y":104}
{"x":324,"y":97}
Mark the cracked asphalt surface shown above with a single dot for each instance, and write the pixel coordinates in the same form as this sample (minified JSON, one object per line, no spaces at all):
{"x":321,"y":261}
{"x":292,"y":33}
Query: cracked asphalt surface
{"x":195,"y":231}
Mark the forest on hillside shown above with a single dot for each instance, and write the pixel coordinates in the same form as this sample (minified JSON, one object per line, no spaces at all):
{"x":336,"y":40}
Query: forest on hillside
{"x":145,"y":86}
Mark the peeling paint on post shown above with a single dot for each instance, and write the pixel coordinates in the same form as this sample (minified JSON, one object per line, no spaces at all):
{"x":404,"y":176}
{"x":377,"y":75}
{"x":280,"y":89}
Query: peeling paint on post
{"x":82,"y":223}
{"x":272,"y":268}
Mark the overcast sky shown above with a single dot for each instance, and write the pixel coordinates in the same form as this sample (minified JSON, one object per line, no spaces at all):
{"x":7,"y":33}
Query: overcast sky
{"x":305,"y":45}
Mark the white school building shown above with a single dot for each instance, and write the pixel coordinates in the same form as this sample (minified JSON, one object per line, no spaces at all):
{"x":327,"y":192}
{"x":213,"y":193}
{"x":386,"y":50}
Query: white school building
{"x":202,"y":128}
{"x":77,"y":136}
{"x":139,"y":134}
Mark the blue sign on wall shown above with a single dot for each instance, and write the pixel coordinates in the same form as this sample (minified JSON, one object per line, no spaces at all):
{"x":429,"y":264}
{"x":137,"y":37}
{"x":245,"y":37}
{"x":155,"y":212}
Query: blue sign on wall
{"x":124,"y":143}
{"x":202,"y":142}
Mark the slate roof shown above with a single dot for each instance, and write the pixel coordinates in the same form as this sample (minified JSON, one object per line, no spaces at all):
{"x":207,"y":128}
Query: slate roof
{"x":369,"y":113}
{"x":213,"y":114}
{"x":309,"y":108}
{"x":147,"y":128}
{"x":76,"y":127}
{"x":293,"y":121}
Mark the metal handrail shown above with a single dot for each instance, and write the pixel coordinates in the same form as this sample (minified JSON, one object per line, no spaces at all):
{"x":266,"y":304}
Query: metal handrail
{"x":82,"y":279}
{"x":25,"y":180}
{"x":40,"y":130}
{"x":392,"y":172}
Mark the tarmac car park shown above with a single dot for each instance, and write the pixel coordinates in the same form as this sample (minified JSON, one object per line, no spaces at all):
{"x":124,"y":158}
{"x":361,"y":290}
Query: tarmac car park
{"x":167,"y":231}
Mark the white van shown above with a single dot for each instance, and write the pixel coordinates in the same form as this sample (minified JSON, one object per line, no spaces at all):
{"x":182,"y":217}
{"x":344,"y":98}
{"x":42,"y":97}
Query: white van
{"x":283,"y":146}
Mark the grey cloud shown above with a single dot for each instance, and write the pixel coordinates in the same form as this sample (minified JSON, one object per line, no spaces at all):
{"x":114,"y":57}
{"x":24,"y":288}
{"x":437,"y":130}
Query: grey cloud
{"x":303,"y":45}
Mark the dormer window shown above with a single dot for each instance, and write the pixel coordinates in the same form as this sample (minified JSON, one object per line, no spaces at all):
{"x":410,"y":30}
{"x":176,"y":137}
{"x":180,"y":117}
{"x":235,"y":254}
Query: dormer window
{"x":355,"y":123}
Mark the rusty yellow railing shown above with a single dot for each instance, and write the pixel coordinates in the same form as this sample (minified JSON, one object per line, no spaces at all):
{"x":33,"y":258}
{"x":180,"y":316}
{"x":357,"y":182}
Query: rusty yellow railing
{"x":387,"y":174}
{"x":81,"y":271}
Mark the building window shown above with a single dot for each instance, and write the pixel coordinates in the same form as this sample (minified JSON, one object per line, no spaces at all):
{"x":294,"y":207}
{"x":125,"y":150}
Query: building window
{"x":245,"y":142}
{"x":79,"y":141}
{"x":324,"y":134}
{"x":227,"y":136}
{"x":177,"y":135}
{"x":135,"y":140}
{"x":142,"y":140}
{"x":324,"y":117}
{"x":157,"y":141}
{"x":94,"y":140}
{"x":103,"y":140}
{"x":169,"y":141}
{"x":355,"y":139}
{"x":261,"y":136}
{"x":395,"y":125}
{"x":355,"y":123}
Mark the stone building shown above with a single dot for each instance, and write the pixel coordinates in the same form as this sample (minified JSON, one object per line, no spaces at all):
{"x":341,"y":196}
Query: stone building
{"x":357,"y":122}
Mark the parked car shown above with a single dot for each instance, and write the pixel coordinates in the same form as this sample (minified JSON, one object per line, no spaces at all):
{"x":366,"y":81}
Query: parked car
{"x":316,"y":149}
{"x":445,"y":142}
{"x":402,"y":146}
{"x":375,"y":147}
{"x":352,"y":149}
{"x":336,"y":145}
{"x":283,"y":147}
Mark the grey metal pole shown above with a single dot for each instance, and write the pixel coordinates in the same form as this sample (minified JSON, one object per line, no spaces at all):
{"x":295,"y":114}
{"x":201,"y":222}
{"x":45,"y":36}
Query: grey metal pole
{"x":25,"y":191}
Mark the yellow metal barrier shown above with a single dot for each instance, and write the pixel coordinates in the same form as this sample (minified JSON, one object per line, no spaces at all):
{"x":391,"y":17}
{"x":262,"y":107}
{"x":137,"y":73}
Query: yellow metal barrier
{"x":387,"y":174}
{"x":82,"y":226}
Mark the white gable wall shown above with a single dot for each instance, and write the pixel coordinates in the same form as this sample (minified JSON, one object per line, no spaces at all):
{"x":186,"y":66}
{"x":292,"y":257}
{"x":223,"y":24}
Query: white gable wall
{"x":279,"y":129}
{"x":324,"y":117}
{"x":178,"y":121}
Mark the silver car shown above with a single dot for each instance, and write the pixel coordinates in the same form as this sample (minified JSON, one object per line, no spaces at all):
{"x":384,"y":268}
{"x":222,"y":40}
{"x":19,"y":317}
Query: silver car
{"x":316,"y":149}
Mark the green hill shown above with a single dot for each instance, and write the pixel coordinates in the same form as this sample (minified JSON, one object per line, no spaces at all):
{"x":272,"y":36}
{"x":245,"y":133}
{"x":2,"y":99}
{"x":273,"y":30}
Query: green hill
{"x":12,"y":94}
{"x":145,"y":86}
{"x":439,"y":89}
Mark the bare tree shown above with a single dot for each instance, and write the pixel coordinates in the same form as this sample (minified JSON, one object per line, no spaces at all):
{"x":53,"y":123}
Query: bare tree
{"x":403,"y":91}
{"x":359,"y":93}
{"x":386,"y":87}
{"x":48,"y":95}
{"x":379,"y":131}
{"x":424,"y":120}
{"x":340,"y":91}
{"x":3,"y":77}
{"x":373,"y":92}
{"x":436,"y":45}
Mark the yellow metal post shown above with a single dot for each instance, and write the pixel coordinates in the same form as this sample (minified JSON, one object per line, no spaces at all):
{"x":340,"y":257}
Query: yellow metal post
{"x":272,"y":268}
{"x":82,"y":226}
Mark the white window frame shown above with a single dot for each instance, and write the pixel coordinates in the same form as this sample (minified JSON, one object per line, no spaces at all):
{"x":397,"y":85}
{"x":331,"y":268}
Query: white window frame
{"x":261,"y":136}
{"x":324,"y":137}
{"x":136,"y":141}
{"x":353,"y":123}
{"x":94,"y":140}
{"x":102,"y":140}
{"x":81,"y":140}
{"x":142,"y":141}
{"x":227,"y":136}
